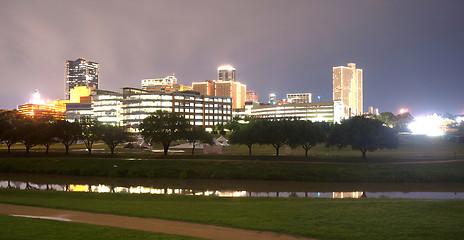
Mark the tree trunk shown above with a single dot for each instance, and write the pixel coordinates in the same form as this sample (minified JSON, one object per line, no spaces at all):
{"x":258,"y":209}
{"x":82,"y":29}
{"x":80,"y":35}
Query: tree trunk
{"x":90,"y":150}
{"x":166,"y":148}
{"x":364,"y":153}
{"x":9,"y":148}
{"x":112,"y":149}
{"x":67,"y":148}
{"x":47,"y":147}
{"x":306,"y":152}
{"x":277,"y":150}
{"x":249,"y":150}
{"x":27,"y":149}
{"x":193,"y":148}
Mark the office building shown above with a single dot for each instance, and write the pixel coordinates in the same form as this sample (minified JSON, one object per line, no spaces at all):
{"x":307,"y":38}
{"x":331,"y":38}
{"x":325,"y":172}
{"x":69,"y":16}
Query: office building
{"x":167,"y":84}
{"x":133,"y":105}
{"x":348,"y":87}
{"x":316,"y":112}
{"x":233,"y":89}
{"x":225,"y":86}
{"x":299,"y":97}
{"x":226,"y":73}
{"x":272,"y":99}
{"x":204,"y":88}
{"x":107,"y":107}
{"x":80,"y":73}
{"x":251,"y":96}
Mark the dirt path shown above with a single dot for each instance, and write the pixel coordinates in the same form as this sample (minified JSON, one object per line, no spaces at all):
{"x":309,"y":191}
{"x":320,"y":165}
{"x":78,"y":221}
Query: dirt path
{"x":144,"y":224}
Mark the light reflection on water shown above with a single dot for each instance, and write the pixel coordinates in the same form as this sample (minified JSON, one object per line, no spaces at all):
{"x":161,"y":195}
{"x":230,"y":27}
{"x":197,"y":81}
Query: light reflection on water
{"x":101,"y":188}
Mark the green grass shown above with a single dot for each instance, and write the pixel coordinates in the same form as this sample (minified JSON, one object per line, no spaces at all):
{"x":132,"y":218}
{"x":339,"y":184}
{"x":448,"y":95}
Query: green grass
{"x":18,"y":228}
{"x":331,"y":169}
{"x":317,"y":218}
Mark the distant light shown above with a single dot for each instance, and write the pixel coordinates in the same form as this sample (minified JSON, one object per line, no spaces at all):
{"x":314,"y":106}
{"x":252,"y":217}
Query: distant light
{"x":403,"y":110}
{"x":226,"y":67}
{"x":431,"y":125}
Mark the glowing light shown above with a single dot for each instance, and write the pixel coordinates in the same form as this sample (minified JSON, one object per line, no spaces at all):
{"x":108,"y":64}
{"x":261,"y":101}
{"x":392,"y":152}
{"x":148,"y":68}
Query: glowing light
{"x":226,"y":67}
{"x":36,"y":98}
{"x":403,"y":110}
{"x":431,"y":125}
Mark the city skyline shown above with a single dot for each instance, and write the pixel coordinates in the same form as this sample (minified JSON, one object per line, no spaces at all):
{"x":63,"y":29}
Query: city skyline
{"x":410,"y":51}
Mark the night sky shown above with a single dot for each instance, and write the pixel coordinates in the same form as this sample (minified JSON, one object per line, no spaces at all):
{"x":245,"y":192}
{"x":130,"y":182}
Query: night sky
{"x":412,"y":52}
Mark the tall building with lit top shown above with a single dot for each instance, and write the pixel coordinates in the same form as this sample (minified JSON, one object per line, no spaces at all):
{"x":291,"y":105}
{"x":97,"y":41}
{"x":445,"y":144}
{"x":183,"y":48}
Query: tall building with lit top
{"x":225,"y":86}
{"x":80,"y":73}
{"x":226,"y":73}
{"x":348,"y":87}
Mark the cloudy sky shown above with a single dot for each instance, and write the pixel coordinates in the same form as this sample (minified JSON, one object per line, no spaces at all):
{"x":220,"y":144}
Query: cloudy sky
{"x":411,"y":51}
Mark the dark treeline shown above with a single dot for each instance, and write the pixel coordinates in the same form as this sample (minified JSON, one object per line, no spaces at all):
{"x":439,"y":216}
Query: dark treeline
{"x":16,"y":128}
{"x":363,"y":134}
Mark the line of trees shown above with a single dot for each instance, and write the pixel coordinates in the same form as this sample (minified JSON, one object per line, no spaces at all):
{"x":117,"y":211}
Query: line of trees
{"x":16,"y":128}
{"x":363,"y":134}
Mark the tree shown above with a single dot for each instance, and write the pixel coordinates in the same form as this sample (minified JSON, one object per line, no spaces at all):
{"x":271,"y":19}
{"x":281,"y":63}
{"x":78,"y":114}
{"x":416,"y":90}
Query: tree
{"x":112,"y":136}
{"x":365,"y":134}
{"x":248,"y":134}
{"x":29,"y":133}
{"x":67,"y":133}
{"x":89,"y":132}
{"x":388,"y":118}
{"x":198,"y":135}
{"x":47,"y":135}
{"x":306,"y":134}
{"x":164,"y":127}
{"x":275,"y":133}
{"x":337,"y":136}
{"x":9,"y":121}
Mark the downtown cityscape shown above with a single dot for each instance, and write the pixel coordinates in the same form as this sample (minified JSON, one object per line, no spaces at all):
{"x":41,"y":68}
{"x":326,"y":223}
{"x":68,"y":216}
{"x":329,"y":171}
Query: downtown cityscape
{"x":257,"y":119}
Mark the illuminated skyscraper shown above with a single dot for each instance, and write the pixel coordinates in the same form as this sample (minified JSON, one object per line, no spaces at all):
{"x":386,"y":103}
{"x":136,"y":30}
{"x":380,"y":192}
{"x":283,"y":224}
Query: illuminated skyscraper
{"x":226,"y":73}
{"x":80,"y":73}
{"x":225,"y":86}
{"x":348,"y":87}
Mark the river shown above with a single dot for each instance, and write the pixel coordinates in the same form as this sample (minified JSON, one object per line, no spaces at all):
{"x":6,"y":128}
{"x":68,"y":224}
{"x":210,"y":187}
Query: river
{"x":232,"y":188}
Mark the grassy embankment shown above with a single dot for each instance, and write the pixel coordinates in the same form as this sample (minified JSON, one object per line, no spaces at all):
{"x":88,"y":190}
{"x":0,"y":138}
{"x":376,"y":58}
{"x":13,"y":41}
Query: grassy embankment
{"x":317,"y":218}
{"x":325,"y":165}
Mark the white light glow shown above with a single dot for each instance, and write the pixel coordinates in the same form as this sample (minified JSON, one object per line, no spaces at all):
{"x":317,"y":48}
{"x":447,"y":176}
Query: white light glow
{"x":226,"y":67}
{"x":431,"y":125}
{"x":36,"y":98}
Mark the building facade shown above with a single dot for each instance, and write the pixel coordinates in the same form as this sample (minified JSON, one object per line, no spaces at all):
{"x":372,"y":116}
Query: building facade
{"x":167,"y":84}
{"x":233,"y":89}
{"x":348,"y":87}
{"x":225,"y":86}
{"x":80,"y":73}
{"x":316,"y":112}
{"x":299,"y":97}
{"x":204,"y":88}
{"x":251,"y":96}
{"x":107,"y":107}
{"x":133,"y":105}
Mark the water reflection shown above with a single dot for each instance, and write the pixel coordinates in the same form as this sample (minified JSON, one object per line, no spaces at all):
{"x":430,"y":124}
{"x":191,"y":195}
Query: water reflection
{"x":101,"y":188}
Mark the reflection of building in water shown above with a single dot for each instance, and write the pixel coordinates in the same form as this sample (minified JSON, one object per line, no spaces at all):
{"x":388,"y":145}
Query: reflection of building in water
{"x":357,"y":194}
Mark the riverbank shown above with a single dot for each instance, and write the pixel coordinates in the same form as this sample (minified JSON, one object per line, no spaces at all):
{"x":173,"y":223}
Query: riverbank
{"x":316,"y":218}
{"x":426,"y":168}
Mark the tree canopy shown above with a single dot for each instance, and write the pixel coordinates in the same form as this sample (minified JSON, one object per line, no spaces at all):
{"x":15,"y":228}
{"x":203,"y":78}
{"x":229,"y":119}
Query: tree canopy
{"x":363,"y":134}
{"x":164,"y":127}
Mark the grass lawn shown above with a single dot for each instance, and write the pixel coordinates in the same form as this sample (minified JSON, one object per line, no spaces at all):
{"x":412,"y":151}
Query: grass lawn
{"x":296,"y":168}
{"x":19,"y":228}
{"x":318,"y":218}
